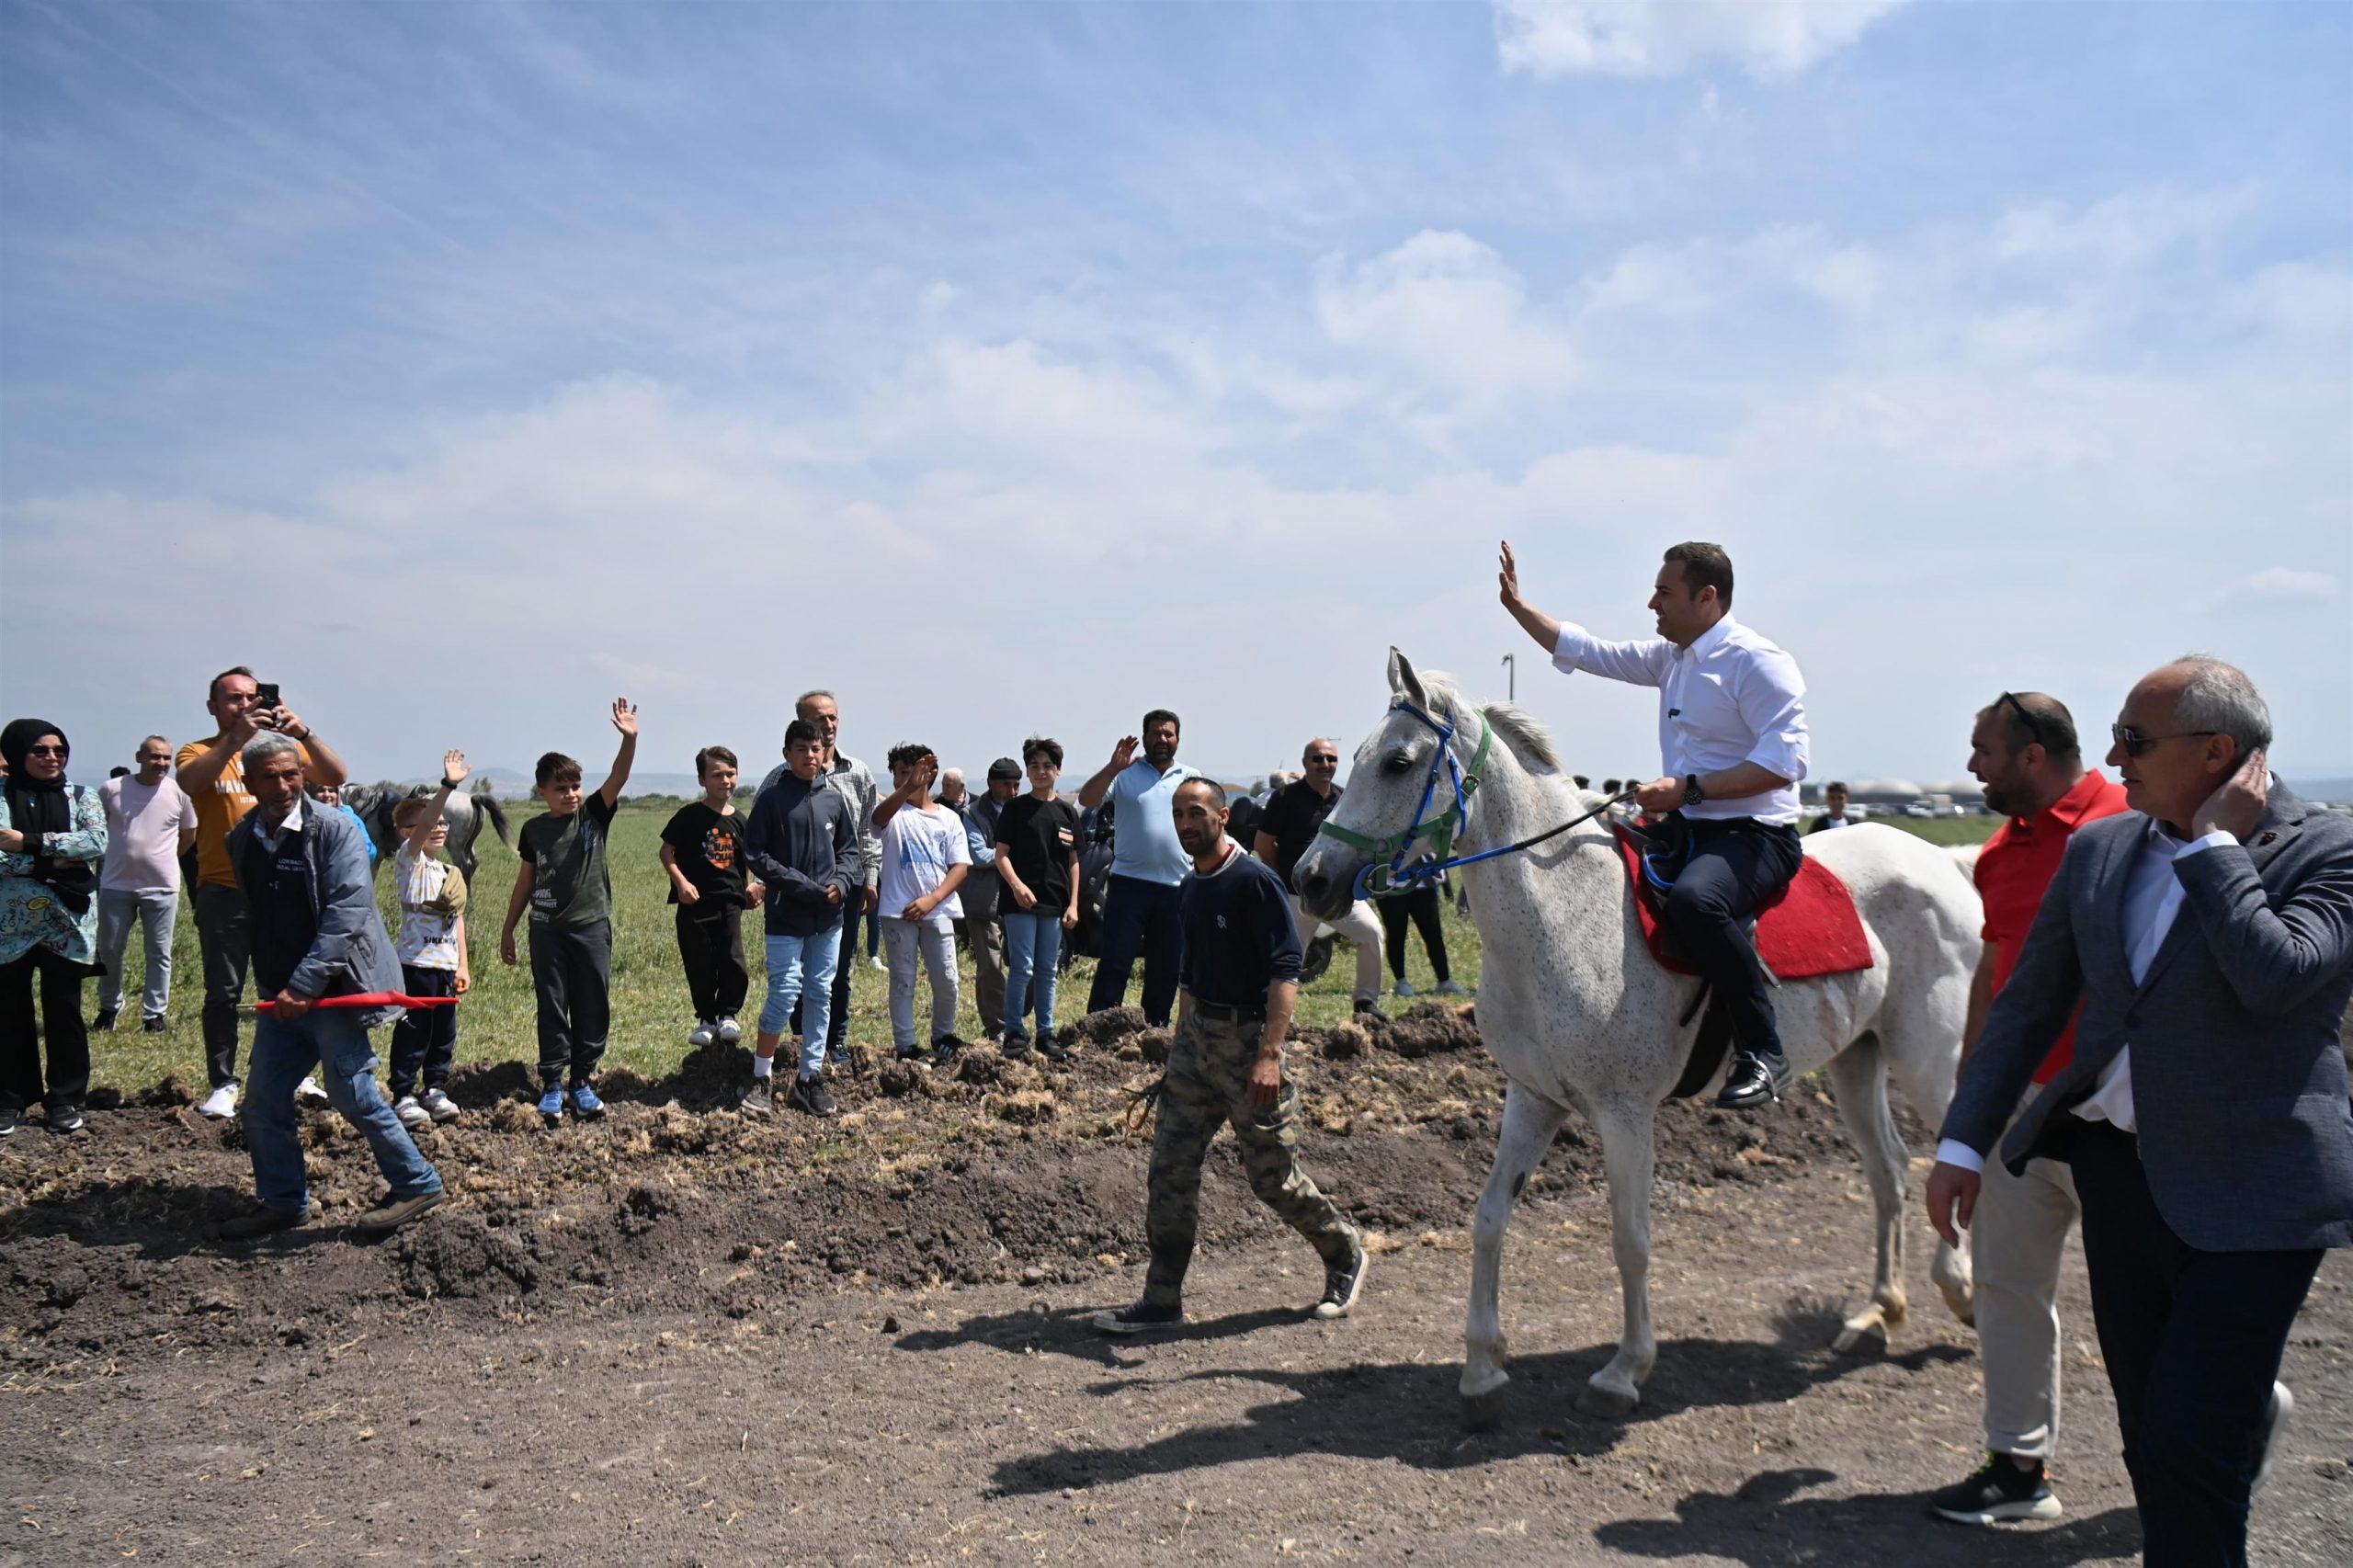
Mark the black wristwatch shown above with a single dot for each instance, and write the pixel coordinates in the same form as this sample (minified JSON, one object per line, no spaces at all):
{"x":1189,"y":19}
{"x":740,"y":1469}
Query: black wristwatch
{"x":1692,"y":793}
{"x":449,"y":784}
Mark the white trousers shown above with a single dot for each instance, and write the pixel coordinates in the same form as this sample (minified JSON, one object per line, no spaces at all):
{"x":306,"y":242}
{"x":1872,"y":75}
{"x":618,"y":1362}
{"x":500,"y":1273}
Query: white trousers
{"x":1360,"y":928}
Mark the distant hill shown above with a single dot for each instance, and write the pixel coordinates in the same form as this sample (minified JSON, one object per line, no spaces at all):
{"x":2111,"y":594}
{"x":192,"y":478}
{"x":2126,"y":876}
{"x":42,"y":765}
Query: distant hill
{"x":2336,"y":792}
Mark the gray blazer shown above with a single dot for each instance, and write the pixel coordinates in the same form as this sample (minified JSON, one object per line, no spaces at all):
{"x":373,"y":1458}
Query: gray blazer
{"x":2238,"y":1084}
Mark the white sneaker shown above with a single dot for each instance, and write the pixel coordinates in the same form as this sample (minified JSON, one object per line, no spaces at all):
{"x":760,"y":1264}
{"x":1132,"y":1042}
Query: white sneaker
{"x":879,"y":965}
{"x":439,"y":1104}
{"x":308,"y":1093}
{"x":730,"y":1031}
{"x":1405,"y":988}
{"x":414,"y":1117}
{"x":220,"y":1104}
{"x":702,"y":1034}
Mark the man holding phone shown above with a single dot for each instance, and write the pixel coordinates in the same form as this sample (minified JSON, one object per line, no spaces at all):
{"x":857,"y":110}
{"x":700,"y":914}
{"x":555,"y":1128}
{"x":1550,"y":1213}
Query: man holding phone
{"x":214,"y":778}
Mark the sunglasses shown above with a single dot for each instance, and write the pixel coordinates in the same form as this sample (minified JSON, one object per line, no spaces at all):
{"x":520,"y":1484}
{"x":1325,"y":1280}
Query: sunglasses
{"x":2133,"y":742}
{"x":1323,"y":762}
{"x":44,"y":751}
{"x":2033,"y":730}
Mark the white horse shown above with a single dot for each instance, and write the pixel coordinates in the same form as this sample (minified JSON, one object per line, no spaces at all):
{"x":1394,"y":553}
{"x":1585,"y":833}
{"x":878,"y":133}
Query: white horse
{"x":1579,"y":1014}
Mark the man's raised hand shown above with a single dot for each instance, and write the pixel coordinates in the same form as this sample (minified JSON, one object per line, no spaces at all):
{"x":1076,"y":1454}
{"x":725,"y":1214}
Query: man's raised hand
{"x":1124,"y":753}
{"x":1507,"y":577}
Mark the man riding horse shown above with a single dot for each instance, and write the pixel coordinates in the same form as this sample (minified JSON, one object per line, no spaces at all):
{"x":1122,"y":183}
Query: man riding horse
{"x":1731,"y":726}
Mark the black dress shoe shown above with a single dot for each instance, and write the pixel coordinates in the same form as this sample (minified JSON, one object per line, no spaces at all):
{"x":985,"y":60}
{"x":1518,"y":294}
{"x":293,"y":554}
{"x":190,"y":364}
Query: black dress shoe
{"x":1754,"y":1080}
{"x":260,"y":1222}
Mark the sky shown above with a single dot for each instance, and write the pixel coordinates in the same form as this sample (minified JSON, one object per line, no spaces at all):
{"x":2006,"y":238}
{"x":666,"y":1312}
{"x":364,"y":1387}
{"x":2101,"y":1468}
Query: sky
{"x":1013,"y":369}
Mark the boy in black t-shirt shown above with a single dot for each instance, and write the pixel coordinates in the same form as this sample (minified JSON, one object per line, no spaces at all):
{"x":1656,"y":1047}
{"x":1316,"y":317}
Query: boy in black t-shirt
{"x":702,"y":851}
{"x":569,"y":891}
{"x":1037,"y":858}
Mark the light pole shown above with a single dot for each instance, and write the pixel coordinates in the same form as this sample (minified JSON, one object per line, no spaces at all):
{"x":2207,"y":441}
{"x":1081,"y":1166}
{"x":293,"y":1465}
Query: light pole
{"x":1511,"y":678}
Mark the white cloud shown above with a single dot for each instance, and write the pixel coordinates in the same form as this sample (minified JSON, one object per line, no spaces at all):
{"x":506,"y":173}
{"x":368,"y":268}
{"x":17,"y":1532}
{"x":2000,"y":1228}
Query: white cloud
{"x":2122,"y":230}
{"x":2276,"y":588}
{"x":1446,"y":308}
{"x":1768,"y":39}
{"x":2300,"y":298}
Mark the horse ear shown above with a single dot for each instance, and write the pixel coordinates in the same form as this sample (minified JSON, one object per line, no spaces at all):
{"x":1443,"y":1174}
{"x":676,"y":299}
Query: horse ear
{"x":1404,"y":682}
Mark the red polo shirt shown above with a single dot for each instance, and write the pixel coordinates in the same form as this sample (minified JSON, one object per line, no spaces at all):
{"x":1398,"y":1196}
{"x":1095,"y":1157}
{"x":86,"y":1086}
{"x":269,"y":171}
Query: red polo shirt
{"x":2014,"y":868}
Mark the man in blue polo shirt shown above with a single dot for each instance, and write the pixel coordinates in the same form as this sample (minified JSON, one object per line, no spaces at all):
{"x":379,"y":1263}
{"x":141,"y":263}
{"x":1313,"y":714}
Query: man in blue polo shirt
{"x":1226,"y":1066}
{"x":1147,"y":863}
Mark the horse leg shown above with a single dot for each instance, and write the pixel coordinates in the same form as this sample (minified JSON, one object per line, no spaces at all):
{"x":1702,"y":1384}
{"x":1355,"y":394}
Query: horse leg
{"x":1628,"y":1133}
{"x":1859,"y":1075}
{"x":1921,"y":1047}
{"x":1529,"y":1122}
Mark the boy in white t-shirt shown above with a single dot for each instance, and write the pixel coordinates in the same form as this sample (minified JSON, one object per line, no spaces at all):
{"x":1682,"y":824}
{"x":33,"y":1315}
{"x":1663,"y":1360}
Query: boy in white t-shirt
{"x":150,"y":822}
{"x":432,"y":949}
{"x":926,"y":857}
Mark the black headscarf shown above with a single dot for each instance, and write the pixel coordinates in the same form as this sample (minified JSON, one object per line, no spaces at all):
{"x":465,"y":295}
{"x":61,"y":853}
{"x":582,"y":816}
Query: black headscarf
{"x":40,"y":805}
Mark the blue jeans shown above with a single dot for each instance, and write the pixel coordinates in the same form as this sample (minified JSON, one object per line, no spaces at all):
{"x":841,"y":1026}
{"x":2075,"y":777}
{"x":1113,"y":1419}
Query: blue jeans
{"x":1033,"y":950}
{"x":332,"y":1041}
{"x":1138,"y":917}
{"x":801,"y":969}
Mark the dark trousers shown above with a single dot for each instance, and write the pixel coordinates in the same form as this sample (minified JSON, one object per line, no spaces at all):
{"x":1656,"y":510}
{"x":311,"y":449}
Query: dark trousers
{"x":224,"y":936}
{"x":1735,"y":868}
{"x":1138,"y":917}
{"x":2193,"y":1341}
{"x":60,"y":1020}
{"x":711,"y":945}
{"x":1420,"y":906}
{"x":837,"y":1023}
{"x":572,"y":968}
{"x":426,"y":1040}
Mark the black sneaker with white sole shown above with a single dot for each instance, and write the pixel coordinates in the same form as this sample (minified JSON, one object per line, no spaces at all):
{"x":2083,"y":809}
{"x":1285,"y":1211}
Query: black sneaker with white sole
{"x":62,"y":1120}
{"x":759,"y":1099}
{"x":808,"y":1096}
{"x":1343,"y":1285}
{"x":9,"y":1115}
{"x":1999,"y":1492}
{"x":1141,"y":1318}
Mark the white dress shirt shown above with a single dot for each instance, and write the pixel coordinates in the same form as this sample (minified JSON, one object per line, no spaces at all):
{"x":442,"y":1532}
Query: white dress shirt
{"x":2153,"y":897}
{"x":1732,"y":696}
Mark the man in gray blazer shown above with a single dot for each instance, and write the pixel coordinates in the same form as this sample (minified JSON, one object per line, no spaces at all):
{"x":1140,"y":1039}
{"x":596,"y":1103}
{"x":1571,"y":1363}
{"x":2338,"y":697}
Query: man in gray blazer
{"x":2207,"y":934}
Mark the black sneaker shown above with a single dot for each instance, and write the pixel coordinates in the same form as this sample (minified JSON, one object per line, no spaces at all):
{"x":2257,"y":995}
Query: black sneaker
{"x":103,"y":1021}
{"x":1366,"y":1005}
{"x":1753,"y":1081}
{"x":1141,"y":1318}
{"x":759,"y":1099}
{"x":808,"y":1096}
{"x":945,"y":1049}
{"x":260,"y":1222}
{"x":834,"y":1055}
{"x":1015,"y":1046}
{"x":156,"y":1024}
{"x":1343,"y":1285}
{"x":9,"y":1115}
{"x":914,"y":1053}
{"x":62,"y":1120}
{"x":1999,"y":1491}
{"x":1051,"y":1048}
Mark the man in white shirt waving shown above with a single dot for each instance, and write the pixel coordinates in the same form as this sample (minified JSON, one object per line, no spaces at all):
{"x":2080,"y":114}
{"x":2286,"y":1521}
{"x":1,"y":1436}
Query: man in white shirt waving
{"x":1731,"y":731}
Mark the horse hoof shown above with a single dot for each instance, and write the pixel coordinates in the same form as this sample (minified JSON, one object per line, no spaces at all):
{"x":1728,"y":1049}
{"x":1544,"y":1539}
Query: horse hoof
{"x":1483,"y":1412}
{"x":1960,"y":1300}
{"x":1606,"y":1404}
{"x":1861,"y":1338}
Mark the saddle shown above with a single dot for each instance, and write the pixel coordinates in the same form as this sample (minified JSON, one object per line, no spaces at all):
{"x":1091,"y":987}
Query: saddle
{"x":1809,"y":929}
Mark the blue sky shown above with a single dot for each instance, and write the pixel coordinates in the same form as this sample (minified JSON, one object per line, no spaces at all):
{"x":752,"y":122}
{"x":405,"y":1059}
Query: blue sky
{"x":1017,"y":368}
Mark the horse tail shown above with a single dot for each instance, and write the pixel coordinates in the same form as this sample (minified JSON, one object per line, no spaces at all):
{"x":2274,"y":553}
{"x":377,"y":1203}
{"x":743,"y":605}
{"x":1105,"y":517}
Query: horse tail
{"x":488,"y":803}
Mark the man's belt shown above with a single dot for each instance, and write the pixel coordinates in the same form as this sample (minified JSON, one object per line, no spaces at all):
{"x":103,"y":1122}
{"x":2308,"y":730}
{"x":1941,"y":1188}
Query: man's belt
{"x":1218,"y":1012}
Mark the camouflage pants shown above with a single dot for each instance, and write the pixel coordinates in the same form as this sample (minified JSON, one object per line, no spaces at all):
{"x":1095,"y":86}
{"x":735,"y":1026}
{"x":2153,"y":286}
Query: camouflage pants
{"x":1209,"y":1085}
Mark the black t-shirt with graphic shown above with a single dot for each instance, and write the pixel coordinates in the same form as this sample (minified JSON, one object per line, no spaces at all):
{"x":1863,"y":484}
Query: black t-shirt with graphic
{"x":710,"y":848}
{"x":1293,"y":816}
{"x":1042,"y":837}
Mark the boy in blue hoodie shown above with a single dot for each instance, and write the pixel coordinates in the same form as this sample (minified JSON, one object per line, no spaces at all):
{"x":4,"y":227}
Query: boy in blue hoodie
{"x":803,"y":845}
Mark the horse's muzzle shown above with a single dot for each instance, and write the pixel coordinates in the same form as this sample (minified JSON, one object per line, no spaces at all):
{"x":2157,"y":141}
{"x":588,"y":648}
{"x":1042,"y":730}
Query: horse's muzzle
{"x":1326,"y":879}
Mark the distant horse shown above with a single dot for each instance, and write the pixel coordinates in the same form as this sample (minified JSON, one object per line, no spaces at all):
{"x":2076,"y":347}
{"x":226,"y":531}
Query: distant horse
{"x":465,"y":813}
{"x":1579,"y":1014}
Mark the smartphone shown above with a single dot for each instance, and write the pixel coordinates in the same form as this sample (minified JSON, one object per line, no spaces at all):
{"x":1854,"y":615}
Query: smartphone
{"x":265,"y":694}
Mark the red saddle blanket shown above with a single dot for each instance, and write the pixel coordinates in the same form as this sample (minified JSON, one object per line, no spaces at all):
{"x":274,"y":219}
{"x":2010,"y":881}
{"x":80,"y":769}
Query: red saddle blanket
{"x":1811,"y":929}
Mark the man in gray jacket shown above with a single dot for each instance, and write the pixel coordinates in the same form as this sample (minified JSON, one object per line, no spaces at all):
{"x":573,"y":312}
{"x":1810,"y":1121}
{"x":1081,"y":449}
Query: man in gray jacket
{"x":316,"y":936}
{"x":2207,"y":934}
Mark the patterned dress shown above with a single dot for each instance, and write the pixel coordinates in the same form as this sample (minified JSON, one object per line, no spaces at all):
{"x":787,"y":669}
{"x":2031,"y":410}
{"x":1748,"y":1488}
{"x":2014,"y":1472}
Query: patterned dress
{"x":31,"y":915}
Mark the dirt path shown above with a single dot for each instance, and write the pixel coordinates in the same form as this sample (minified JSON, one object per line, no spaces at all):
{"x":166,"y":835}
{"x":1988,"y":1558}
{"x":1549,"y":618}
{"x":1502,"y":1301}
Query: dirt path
{"x":683,"y":1338}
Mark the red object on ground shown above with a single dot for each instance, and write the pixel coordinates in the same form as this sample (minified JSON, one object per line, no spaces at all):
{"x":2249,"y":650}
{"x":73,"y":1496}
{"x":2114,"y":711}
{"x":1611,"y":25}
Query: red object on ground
{"x":374,"y":999}
{"x":1811,"y":929}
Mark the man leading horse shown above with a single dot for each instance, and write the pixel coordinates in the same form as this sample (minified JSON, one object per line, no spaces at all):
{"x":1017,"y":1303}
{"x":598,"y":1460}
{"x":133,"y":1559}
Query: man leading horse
{"x":1731,"y":728}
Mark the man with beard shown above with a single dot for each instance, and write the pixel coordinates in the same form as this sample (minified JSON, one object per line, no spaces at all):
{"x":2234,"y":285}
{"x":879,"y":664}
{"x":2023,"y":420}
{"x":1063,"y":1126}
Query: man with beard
{"x":2024,"y":751}
{"x":1147,"y":864}
{"x":1225,"y":1065}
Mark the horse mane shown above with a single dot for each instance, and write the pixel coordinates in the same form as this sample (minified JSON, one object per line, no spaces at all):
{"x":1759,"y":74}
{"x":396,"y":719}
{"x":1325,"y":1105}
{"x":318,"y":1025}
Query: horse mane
{"x":1529,"y":738}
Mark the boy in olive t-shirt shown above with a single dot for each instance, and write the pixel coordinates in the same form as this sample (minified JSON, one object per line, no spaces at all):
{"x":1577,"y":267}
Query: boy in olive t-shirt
{"x":565,"y":885}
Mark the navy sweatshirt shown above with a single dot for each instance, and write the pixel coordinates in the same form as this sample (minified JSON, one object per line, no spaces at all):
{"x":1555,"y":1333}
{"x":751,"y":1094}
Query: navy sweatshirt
{"x":800,"y":842}
{"x":1239,"y":940}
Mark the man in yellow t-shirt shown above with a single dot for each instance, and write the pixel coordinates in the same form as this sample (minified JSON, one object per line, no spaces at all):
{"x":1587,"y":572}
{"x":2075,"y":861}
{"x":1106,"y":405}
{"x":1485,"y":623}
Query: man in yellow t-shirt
{"x":213,"y":776}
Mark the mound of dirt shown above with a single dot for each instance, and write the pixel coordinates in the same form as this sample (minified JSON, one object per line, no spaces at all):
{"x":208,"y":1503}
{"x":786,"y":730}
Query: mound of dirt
{"x":1000,"y":1170}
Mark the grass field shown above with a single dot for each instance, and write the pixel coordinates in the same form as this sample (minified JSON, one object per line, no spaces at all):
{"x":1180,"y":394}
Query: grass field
{"x":651,"y":1015}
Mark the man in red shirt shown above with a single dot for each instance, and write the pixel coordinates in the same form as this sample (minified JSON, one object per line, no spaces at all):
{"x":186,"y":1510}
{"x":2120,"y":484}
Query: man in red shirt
{"x":2024,"y":751}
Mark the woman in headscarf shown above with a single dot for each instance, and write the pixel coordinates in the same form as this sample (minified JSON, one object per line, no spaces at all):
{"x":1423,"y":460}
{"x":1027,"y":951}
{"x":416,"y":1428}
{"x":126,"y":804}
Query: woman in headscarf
{"x":52,"y":835}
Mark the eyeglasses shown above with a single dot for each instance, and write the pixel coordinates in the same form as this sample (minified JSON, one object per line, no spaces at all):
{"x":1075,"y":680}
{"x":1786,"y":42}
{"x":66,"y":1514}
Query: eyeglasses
{"x":2033,"y":730}
{"x":2134,"y":742}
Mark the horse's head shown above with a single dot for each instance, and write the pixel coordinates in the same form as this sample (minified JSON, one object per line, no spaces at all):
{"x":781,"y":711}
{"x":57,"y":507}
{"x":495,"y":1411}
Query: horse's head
{"x":1398,"y":776}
